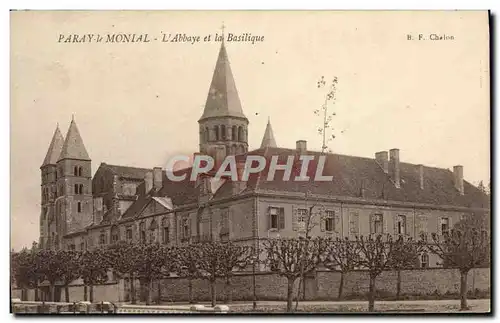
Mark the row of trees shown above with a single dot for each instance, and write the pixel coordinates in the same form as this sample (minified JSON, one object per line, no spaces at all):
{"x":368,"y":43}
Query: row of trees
{"x":146,"y":262}
{"x":461,"y":248}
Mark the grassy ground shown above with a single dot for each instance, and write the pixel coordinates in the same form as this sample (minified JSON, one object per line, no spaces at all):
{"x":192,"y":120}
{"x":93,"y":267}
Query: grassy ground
{"x":442,"y":306}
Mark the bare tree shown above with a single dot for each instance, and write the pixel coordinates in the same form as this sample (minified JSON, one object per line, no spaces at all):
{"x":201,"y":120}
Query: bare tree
{"x":342,"y":254}
{"x":375,"y":255}
{"x":290,"y":257}
{"x":326,"y":130}
{"x":462,"y":249}
{"x":405,"y":253}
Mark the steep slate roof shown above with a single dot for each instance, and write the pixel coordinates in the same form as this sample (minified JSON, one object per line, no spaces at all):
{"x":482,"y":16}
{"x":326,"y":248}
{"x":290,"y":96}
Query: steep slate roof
{"x":73,"y":147}
{"x":222,"y":99}
{"x":55,"y":148}
{"x":127,"y":171}
{"x":351,"y":174}
{"x":268,"y":139}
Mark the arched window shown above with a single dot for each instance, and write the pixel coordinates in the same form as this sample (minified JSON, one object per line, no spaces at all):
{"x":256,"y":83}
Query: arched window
{"x":240,"y":133}
{"x":165,"y":231}
{"x":216,"y":130}
{"x":79,"y":207}
{"x":115,"y":234}
{"x":424,"y":260}
{"x":242,"y":149}
{"x":80,"y":171}
{"x":142,"y":231}
{"x":76,"y":189}
{"x":207,"y":134}
{"x":223,"y":132}
{"x":75,"y":171}
{"x":401,"y":225}
{"x":80,"y":189}
{"x":153,"y":228}
{"x":234,"y":133}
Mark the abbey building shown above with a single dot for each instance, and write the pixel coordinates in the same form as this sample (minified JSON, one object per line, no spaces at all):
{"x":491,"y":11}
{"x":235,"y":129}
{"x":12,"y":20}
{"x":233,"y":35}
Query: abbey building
{"x":367,"y":195}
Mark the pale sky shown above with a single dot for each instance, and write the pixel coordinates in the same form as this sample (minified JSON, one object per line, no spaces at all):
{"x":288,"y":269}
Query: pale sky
{"x":137,"y":104}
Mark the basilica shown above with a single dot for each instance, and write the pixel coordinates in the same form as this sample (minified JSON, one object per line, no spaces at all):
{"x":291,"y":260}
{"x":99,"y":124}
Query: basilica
{"x":383,"y":194}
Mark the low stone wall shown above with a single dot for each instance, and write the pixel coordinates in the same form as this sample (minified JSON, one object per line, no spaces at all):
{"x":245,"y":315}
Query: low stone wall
{"x":323,"y":285}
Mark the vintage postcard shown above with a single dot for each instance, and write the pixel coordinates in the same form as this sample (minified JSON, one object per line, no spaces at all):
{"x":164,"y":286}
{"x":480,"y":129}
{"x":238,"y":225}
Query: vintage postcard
{"x":250,"y":162}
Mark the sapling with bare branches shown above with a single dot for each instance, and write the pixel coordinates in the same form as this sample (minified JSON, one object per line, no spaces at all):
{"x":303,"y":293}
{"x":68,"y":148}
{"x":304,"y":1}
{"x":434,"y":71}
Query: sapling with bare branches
{"x":289,"y":257}
{"x":341,"y":254}
{"x":462,"y":249}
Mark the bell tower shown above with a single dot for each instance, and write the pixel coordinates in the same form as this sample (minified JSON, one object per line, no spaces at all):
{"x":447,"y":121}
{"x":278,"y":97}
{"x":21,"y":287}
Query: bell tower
{"x":74,"y":204}
{"x":49,"y":190}
{"x":223,"y":127}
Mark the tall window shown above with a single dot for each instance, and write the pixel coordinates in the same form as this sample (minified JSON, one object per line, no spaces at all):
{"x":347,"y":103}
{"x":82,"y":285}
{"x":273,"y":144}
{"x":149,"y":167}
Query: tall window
{"x":302,"y":215}
{"x":142,"y":230}
{"x":354,"y":223}
{"x":80,"y":171}
{"x":102,"y":238}
{"x":128,"y":233}
{"x":276,"y":218}
{"x":424,"y":260}
{"x":330,"y":221}
{"x":166,"y":234}
{"x":377,"y":225}
{"x":216,"y":130}
{"x":234,"y":133}
{"x":240,"y":133}
{"x":401,"y":224}
{"x":79,"y":207}
{"x":185,"y":228}
{"x":75,"y":170}
{"x":445,"y":225}
{"x":153,"y":227}
{"x":82,"y":246}
{"x":273,"y":215}
{"x":223,"y":132}
{"x":115,"y":233}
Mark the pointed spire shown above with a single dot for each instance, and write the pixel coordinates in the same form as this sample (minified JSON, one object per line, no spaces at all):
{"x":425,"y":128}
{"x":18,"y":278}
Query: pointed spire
{"x":222,"y":99}
{"x":73,"y":147}
{"x":55,"y":148}
{"x":268,"y":139}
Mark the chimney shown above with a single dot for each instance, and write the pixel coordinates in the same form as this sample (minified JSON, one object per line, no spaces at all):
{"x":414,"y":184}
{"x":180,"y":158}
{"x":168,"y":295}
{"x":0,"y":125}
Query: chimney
{"x":301,"y":146}
{"x":382,"y":158}
{"x":394,"y":166}
{"x":157,"y":178}
{"x":421,"y":176}
{"x":148,"y":181}
{"x":458,"y":178}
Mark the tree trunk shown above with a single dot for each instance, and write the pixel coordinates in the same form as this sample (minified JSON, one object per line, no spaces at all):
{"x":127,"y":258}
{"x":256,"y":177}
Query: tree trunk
{"x":289,"y":295}
{"x":159,"y":291}
{"x":371,"y":294}
{"x":229,"y":291}
{"x":341,"y":286}
{"x":190,"y":290}
{"x":91,"y":293}
{"x":463,"y":290}
{"x":398,"y":285}
{"x":66,"y":293}
{"x":132,"y":289}
{"x":85,"y":293}
{"x":149,"y":290}
{"x":214,"y":292}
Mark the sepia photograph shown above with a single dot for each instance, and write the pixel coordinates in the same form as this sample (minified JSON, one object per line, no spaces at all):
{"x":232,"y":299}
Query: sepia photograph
{"x":250,"y":162}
